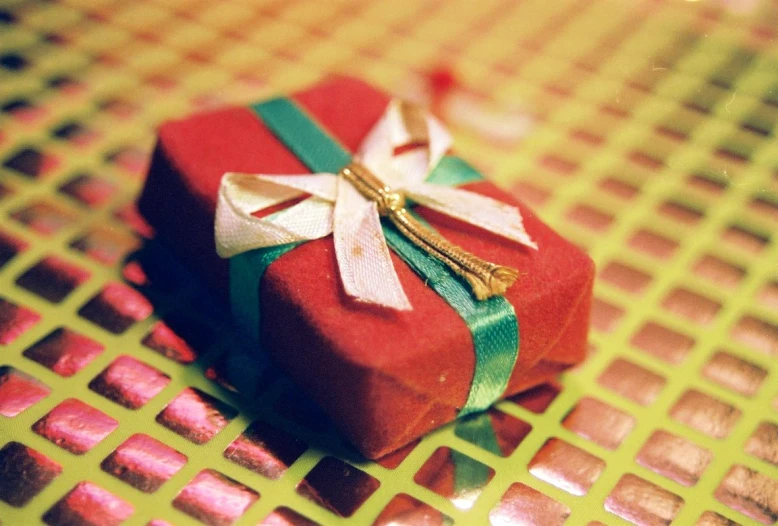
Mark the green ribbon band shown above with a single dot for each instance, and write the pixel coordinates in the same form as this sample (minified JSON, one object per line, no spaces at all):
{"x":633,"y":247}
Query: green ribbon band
{"x":492,"y":323}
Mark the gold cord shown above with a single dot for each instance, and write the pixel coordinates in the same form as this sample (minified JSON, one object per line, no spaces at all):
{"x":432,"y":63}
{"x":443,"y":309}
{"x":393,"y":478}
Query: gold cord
{"x":486,"y":279}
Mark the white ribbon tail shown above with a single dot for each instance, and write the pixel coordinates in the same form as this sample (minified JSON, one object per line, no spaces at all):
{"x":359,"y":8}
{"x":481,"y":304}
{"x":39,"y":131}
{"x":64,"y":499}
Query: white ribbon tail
{"x":237,"y":230}
{"x":364,"y":261}
{"x":484,"y":212}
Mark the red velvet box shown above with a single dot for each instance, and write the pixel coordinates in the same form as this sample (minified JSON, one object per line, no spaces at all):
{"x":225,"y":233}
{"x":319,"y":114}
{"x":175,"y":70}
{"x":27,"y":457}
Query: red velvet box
{"x":384,"y":377}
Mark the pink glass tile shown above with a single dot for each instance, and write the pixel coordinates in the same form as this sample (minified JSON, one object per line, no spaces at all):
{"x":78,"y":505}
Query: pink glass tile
{"x":64,"y":351}
{"x":763,"y":442}
{"x":494,"y":431}
{"x":15,"y":321}
{"x":52,"y":278}
{"x":44,"y":218}
{"x":757,"y":334}
{"x":18,"y":391}
{"x":24,"y":473}
{"x":215,"y":499}
{"x":88,"y":505}
{"x":538,"y":398}
{"x":663,"y":343}
{"x":284,"y":516}
{"x":105,"y":245}
{"x":750,"y":493}
{"x":653,"y":245}
{"x":605,"y":316}
{"x":196,"y":416}
{"x":404,"y":510}
{"x":116,"y":308}
{"x":32,"y":162}
{"x":599,"y":422}
{"x":166,"y":342}
{"x":674,"y":457}
{"x":394,"y":459}
{"x":718,"y":271}
{"x":522,"y":505}
{"x":144,"y":463}
{"x":692,"y":306}
{"x":337,"y":486}
{"x":455,"y":476}
{"x":710,"y":518}
{"x":641,"y":502}
{"x":734,"y":373}
{"x":565,"y":466}
{"x":265,"y":449}
{"x":632,"y":381}
{"x":705,"y":414}
{"x":10,"y":246}
{"x":625,"y":277}
{"x":89,"y":190}
{"x":75,"y":426}
{"x":129,"y":382}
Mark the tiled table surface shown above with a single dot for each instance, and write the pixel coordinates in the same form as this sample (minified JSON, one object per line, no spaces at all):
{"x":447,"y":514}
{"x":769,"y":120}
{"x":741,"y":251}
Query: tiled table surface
{"x":643,"y":131}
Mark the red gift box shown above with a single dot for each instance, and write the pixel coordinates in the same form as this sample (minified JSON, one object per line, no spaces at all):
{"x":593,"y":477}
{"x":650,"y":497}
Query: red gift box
{"x":384,"y":377}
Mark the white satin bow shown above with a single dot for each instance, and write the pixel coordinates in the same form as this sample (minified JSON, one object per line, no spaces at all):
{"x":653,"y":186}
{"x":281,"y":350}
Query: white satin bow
{"x":335,"y":206}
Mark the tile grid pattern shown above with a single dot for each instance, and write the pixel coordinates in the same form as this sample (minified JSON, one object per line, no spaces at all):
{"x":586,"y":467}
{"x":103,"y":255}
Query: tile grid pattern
{"x":651,"y":146}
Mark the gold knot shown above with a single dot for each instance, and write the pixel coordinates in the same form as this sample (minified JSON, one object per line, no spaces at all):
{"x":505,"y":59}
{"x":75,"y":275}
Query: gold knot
{"x":486,"y":279}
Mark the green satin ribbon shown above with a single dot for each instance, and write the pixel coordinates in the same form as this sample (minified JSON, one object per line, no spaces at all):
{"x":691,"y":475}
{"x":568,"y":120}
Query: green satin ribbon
{"x":492,"y":323}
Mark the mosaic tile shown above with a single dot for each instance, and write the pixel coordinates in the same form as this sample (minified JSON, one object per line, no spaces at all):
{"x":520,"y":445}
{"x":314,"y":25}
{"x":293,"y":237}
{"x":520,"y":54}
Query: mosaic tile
{"x":337,"y":486}
{"x":525,"y":506}
{"x":641,"y":502}
{"x":265,"y":449}
{"x":215,"y":499}
{"x":24,"y":473}
{"x":15,"y":320}
{"x":105,"y":245}
{"x":674,"y":457}
{"x":116,"y":308}
{"x":662,"y":342}
{"x":284,"y":516}
{"x":196,"y":416}
{"x":750,"y":493}
{"x":632,"y":381}
{"x":52,"y":278}
{"x":89,"y":190}
{"x":625,"y":277}
{"x":404,"y":510}
{"x":757,"y":334}
{"x":705,"y":414}
{"x":18,"y":391}
{"x":143,"y":462}
{"x":129,"y":382}
{"x":565,"y":466}
{"x":64,"y":351}
{"x":539,"y":398}
{"x":10,"y":246}
{"x":88,"y":504}
{"x":599,"y":422}
{"x":710,"y":518}
{"x":455,"y":476}
{"x":44,"y":218}
{"x":75,"y":426}
{"x":735,"y":374}
{"x":763,"y":443}
{"x":494,"y":431}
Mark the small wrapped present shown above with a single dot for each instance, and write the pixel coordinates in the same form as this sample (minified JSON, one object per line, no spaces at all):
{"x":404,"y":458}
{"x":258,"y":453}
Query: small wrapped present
{"x":398,"y":288}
